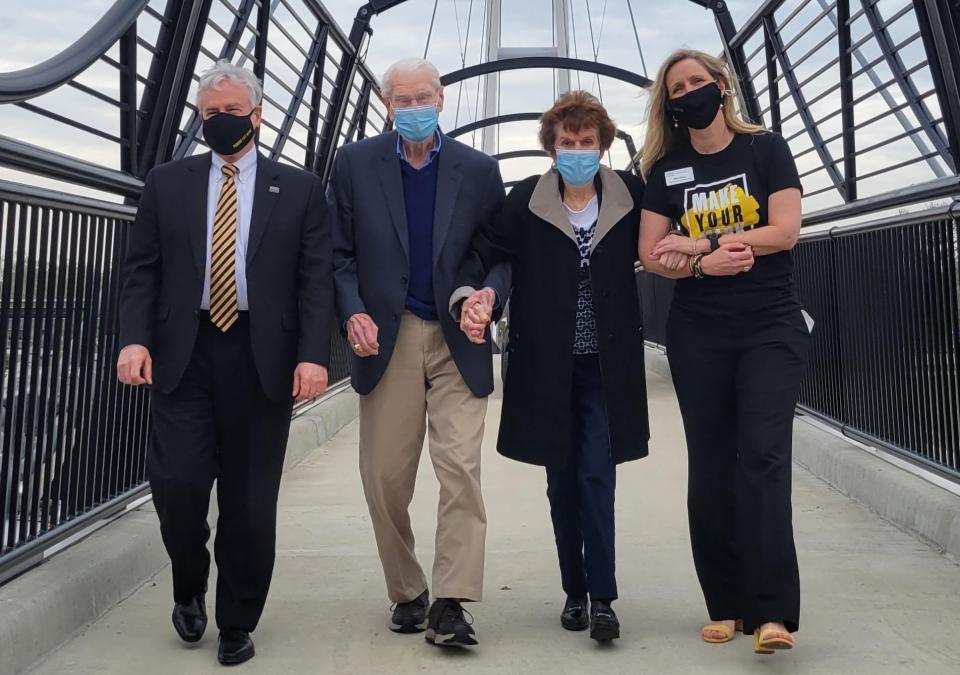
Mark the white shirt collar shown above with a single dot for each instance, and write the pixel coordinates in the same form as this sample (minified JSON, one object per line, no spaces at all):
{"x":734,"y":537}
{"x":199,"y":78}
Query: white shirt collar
{"x":246,"y":165}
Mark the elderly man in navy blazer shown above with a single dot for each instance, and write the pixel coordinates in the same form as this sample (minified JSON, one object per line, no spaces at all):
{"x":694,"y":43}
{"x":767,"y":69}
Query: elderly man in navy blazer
{"x":405,"y":206}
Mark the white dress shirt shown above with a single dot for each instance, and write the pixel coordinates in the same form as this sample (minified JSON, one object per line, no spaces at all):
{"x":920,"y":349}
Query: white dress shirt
{"x":245,"y":179}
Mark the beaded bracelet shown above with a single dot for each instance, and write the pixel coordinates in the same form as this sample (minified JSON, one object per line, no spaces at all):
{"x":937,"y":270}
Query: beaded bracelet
{"x":695,"y":266}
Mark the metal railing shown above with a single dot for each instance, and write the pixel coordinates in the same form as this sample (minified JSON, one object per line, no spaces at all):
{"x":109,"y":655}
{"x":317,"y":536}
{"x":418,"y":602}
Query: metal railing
{"x":885,"y":359}
{"x":885,"y":355}
{"x":73,"y":438}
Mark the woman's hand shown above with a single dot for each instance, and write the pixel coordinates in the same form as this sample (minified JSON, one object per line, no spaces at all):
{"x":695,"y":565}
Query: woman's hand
{"x":674,"y":243}
{"x":728,"y":260}
{"x":675,"y":261}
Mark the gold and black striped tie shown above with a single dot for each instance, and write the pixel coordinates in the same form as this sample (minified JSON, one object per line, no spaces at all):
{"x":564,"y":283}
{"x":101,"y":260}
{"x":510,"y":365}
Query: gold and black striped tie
{"x":223,"y":273}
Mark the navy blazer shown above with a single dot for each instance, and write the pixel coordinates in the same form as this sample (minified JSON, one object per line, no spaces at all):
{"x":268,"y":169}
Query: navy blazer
{"x":371,"y":246}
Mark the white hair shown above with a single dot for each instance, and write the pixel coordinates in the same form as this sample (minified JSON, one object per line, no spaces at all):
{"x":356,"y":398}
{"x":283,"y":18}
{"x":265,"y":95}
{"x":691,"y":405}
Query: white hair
{"x":222,"y":71}
{"x":406,"y":67}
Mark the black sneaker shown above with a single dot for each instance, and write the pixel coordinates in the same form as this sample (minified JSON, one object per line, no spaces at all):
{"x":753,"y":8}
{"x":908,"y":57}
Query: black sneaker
{"x":604,"y":624}
{"x":410,"y":617}
{"x":447,"y":625}
{"x":574,"y":615}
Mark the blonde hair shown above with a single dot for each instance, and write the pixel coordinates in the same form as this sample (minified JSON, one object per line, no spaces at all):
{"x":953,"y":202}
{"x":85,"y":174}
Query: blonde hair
{"x":662,"y":137}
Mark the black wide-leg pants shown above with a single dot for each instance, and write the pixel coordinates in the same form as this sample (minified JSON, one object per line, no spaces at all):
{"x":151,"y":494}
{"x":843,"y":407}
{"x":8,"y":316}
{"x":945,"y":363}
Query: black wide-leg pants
{"x":737,"y":382}
{"x":219,"y":425}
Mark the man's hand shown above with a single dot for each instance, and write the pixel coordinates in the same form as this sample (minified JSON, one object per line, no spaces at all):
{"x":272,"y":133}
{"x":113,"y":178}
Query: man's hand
{"x":476,"y":313}
{"x":134,"y":365}
{"x":309,"y":381}
{"x":362,"y":334}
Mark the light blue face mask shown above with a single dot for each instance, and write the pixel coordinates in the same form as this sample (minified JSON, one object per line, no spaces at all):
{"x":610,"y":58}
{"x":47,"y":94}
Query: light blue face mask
{"x":578,"y":167}
{"x":417,"y":124}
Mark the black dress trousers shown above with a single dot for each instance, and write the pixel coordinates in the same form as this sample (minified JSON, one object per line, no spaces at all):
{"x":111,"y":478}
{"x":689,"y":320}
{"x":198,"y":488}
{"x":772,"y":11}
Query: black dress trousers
{"x":737,"y":382}
{"x":219,"y":425}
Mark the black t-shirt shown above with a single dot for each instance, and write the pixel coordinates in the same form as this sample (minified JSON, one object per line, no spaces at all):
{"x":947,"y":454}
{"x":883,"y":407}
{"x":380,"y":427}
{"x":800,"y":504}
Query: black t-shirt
{"x":723,"y":193}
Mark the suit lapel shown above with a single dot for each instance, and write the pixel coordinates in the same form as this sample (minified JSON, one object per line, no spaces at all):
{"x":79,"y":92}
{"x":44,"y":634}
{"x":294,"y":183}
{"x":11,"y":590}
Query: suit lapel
{"x":448,"y":184}
{"x":195,"y":205}
{"x":545,"y":203}
{"x":264,"y":199}
{"x":390,"y":179}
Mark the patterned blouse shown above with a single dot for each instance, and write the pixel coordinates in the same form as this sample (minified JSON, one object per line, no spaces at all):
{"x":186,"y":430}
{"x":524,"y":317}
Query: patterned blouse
{"x":585,"y":335}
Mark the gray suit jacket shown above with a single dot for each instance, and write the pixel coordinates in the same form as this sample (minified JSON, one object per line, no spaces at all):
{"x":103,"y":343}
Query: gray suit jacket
{"x":371,"y":245}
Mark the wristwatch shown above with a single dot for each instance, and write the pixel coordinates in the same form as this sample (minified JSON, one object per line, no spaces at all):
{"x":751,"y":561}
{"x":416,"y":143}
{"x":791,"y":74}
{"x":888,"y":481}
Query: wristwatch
{"x":714,"y":241}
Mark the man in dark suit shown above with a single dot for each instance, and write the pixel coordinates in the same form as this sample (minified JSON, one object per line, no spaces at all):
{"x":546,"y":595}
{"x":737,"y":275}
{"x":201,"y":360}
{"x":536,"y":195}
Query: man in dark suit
{"x":405,"y":207}
{"x":226,"y":313}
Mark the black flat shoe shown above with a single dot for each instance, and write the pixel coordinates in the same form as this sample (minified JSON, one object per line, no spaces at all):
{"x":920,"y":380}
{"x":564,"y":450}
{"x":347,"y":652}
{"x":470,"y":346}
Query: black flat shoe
{"x":574,"y":615}
{"x":604,"y":624}
{"x":410,"y":617}
{"x":190,"y":619}
{"x":235,"y":647}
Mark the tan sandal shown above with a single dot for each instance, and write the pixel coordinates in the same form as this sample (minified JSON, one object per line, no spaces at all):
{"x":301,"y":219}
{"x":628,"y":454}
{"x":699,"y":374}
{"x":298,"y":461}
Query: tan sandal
{"x":728,"y":633}
{"x":771,"y":640}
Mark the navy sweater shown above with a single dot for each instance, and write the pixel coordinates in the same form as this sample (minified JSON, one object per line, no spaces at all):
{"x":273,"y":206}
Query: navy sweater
{"x":419,"y":198}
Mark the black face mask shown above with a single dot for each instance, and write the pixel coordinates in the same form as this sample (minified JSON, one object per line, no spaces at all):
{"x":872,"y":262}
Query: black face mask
{"x":228,"y":134}
{"x":698,"y":108}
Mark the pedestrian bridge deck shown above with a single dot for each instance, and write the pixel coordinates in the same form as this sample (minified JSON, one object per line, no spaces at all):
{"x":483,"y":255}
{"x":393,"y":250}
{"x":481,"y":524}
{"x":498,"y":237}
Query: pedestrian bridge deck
{"x":875,"y":599}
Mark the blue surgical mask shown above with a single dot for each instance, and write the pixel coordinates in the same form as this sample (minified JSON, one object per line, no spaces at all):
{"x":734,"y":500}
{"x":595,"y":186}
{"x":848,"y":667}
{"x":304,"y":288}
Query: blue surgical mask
{"x":578,"y":167}
{"x":416,"y":124}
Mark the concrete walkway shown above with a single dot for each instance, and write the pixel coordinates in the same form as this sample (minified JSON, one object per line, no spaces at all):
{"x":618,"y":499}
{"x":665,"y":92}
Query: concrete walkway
{"x":875,"y":600}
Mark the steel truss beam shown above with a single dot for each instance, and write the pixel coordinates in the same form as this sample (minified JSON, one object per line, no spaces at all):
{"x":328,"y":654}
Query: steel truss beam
{"x":895,"y":63}
{"x":546,"y":62}
{"x":315,"y":58}
{"x":178,"y":46}
{"x":790,"y":78}
{"x":939,"y":22}
{"x":358,"y":122}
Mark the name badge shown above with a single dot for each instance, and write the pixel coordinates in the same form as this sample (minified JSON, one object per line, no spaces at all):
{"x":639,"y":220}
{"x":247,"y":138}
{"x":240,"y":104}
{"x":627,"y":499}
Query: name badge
{"x":678,"y":176}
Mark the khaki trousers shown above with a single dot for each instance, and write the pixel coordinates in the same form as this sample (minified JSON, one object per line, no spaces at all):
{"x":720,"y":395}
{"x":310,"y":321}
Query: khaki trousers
{"x":422,"y":388}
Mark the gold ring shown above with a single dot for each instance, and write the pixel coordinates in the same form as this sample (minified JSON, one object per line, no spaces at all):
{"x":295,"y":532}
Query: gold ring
{"x":356,"y":346}
{"x":746,"y":268}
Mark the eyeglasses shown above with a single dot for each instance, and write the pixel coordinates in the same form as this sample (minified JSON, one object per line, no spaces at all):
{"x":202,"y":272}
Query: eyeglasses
{"x":410,"y":101}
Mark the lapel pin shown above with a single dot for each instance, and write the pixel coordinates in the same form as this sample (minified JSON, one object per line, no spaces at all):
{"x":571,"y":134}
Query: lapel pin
{"x":275,"y":189}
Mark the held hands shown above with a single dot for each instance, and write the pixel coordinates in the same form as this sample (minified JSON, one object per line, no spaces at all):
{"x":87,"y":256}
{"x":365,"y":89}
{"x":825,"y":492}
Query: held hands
{"x":728,"y":260}
{"x":674,"y":252}
{"x":674,"y":243}
{"x":476,"y":313}
{"x":362,"y":334}
{"x":309,"y":381}
{"x":134,"y":365}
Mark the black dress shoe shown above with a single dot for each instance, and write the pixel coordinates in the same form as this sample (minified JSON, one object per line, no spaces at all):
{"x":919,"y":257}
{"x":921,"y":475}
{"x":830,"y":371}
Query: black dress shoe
{"x":190,"y":619}
{"x":410,"y":617}
{"x":604,"y":624}
{"x":236,"y":646}
{"x":574,"y":615}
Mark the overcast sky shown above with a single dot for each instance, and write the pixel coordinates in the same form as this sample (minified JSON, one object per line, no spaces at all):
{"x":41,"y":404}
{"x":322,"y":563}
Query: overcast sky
{"x":34,"y":31}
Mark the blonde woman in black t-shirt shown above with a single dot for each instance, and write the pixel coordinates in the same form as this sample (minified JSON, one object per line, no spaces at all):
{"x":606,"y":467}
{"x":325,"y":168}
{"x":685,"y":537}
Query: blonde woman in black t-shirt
{"x":721,"y":213}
